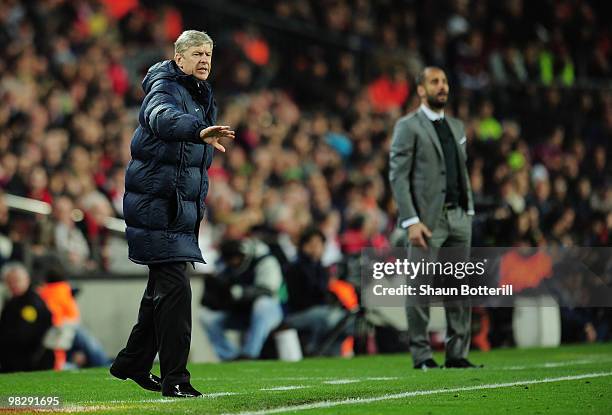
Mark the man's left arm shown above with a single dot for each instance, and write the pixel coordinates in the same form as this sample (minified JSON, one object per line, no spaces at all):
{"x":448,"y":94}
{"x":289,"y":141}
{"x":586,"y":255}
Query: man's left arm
{"x":164,"y":116}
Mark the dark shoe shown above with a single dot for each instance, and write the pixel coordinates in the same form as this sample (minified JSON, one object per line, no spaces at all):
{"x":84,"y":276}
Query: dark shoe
{"x":146,"y":381}
{"x":183,"y":390}
{"x":461,"y":364}
{"x":427,"y":364}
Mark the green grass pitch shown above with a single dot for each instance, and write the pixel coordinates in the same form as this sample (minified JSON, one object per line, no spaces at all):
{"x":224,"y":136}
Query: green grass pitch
{"x":565,"y":380}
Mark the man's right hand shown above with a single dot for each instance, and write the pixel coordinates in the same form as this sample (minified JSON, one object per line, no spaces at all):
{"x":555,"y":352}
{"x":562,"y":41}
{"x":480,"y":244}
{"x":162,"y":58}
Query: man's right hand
{"x":211,"y":135}
{"x":418,"y":234}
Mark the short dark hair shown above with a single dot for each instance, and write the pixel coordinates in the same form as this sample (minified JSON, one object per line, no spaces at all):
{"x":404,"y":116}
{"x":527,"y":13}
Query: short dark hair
{"x":420,"y":78}
{"x":231,"y":248}
{"x":308,"y":234}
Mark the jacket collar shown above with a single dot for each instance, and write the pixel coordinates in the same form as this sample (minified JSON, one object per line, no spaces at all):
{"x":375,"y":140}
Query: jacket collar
{"x":200,"y":90}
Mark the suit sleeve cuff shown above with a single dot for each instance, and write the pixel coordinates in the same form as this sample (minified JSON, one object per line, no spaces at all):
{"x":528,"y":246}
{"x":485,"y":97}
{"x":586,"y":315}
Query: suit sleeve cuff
{"x":409,"y":222}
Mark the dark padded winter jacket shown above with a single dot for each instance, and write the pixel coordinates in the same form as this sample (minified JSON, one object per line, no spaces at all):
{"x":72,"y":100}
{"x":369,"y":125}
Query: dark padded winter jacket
{"x":167,"y":181}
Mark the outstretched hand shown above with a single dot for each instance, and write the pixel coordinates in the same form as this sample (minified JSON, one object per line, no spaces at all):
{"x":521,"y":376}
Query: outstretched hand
{"x":211,"y":135}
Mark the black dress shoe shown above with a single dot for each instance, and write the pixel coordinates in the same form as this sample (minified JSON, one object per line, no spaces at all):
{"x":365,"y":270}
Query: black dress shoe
{"x":427,"y":364}
{"x":182,"y":390}
{"x":146,"y":381}
{"x":461,"y":364}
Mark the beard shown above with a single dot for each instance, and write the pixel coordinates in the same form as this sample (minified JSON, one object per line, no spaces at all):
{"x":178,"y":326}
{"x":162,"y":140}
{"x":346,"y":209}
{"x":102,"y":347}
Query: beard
{"x":436,"y":102}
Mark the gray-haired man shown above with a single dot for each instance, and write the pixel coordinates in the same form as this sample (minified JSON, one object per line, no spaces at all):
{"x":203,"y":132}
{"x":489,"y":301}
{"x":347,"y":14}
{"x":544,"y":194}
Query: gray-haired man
{"x":431,"y":187}
{"x":165,"y":187}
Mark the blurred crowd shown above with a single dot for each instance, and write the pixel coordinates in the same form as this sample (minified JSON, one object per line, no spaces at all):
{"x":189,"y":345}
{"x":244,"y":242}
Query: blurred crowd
{"x":482,"y":41}
{"x":314,"y":112}
{"x":532,"y":85}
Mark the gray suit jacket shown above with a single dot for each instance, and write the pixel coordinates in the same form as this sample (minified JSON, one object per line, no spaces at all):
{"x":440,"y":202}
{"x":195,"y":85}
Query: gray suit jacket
{"x":417,"y":169}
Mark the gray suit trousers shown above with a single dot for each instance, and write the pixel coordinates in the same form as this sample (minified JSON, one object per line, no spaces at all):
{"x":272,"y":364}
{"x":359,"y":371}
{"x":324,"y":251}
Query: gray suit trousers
{"x":454,"y":229}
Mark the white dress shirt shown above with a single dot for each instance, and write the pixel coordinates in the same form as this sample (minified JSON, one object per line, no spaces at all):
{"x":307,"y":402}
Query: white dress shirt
{"x":431,"y":114}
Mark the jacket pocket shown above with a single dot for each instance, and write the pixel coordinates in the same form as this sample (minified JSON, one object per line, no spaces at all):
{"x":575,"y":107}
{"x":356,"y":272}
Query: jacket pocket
{"x":174,"y":210}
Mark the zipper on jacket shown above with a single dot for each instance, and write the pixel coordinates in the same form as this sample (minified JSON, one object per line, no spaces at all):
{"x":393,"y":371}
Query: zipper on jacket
{"x":199,"y":202}
{"x":182,"y":147}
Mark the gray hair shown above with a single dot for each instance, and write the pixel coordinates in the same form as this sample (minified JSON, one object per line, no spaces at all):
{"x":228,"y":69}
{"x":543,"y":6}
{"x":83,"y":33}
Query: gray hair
{"x":191,"y":38}
{"x":13,"y":266}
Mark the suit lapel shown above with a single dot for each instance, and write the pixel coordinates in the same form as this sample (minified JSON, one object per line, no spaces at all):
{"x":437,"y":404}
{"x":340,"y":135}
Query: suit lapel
{"x":431,"y":132}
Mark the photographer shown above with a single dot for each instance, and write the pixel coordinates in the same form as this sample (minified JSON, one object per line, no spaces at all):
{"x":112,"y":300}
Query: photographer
{"x":243,"y":296}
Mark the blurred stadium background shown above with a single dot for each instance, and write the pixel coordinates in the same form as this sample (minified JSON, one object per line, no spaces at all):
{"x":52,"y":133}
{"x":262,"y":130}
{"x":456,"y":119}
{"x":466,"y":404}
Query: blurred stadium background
{"x":313,"y":89}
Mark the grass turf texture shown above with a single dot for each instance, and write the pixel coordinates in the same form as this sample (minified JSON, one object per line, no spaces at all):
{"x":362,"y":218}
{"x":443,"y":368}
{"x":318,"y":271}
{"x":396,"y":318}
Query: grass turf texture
{"x":375,"y":384}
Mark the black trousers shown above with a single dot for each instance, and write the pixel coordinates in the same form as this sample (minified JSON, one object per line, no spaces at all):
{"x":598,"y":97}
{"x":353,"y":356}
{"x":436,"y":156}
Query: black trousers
{"x":164,"y":326}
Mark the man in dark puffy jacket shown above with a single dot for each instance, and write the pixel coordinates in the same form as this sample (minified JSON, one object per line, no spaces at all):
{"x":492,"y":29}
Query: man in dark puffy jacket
{"x":165,"y":186}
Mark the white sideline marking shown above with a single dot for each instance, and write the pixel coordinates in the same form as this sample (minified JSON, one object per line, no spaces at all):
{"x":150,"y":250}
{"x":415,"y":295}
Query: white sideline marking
{"x":355,"y":380}
{"x":341,"y":381}
{"x":352,"y":401}
{"x":284,"y":388}
{"x":553,"y":364}
{"x":382,"y":378}
{"x":218,"y":394}
{"x":170,"y":400}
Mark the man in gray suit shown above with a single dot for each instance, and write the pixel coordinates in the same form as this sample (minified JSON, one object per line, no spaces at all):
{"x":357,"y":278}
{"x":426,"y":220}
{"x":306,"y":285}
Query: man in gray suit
{"x":431,"y":187}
